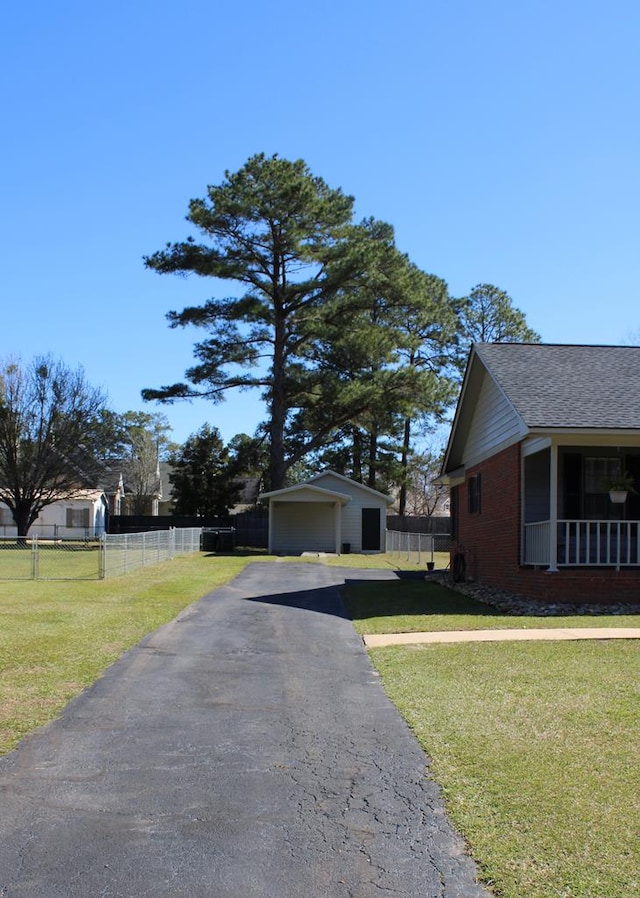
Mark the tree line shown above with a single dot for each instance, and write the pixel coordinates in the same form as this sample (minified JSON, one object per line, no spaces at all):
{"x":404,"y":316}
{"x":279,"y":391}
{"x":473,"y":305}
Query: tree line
{"x":352,"y":346}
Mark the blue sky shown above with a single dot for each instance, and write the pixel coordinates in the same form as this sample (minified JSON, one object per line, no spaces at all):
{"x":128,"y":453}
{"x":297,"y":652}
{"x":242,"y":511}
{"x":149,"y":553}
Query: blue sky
{"x":500,"y":139}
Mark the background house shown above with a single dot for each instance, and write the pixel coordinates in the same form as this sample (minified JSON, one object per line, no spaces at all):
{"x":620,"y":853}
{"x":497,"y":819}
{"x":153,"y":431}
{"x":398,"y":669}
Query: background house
{"x":327,"y":513}
{"x":82,"y":516}
{"x":539,"y":430}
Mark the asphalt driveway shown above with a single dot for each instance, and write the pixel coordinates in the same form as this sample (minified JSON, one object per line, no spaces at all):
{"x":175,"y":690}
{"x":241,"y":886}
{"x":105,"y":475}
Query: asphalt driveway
{"x":246,"y":750}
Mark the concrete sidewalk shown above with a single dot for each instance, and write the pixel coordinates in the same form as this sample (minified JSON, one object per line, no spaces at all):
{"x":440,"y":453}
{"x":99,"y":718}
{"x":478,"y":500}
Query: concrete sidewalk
{"x":377,"y":640}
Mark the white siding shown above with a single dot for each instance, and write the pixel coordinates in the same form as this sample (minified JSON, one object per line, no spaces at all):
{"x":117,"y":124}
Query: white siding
{"x":53,"y":520}
{"x":494,"y":424}
{"x":321,"y":515}
{"x":352,"y":511}
{"x":90,"y":514}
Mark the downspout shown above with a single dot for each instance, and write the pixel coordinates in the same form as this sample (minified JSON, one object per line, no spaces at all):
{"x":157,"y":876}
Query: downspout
{"x":553,"y":509}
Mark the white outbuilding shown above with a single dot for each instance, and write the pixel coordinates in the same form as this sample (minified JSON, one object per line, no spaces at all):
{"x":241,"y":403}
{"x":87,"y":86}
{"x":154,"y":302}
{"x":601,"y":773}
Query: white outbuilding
{"x":327,"y":513}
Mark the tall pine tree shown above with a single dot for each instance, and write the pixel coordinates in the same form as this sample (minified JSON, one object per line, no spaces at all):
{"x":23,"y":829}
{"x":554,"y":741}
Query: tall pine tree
{"x":289,"y":242}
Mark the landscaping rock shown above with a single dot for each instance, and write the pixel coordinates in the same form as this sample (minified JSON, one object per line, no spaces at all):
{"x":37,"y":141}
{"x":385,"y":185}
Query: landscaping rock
{"x":521,"y":605}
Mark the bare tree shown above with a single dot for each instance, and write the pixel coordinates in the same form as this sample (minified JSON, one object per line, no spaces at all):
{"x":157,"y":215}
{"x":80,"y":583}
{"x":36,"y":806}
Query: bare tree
{"x":47,"y":412}
{"x":424,"y":497}
{"x":144,"y":442}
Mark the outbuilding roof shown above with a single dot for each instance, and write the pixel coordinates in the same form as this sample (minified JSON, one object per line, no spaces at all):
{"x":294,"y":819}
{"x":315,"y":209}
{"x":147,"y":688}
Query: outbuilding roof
{"x":313,"y":485}
{"x":307,"y":492}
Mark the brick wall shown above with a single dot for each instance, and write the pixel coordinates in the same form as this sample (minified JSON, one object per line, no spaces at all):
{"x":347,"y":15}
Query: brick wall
{"x":491,"y":537}
{"x":491,"y":542}
{"x":605,"y":586}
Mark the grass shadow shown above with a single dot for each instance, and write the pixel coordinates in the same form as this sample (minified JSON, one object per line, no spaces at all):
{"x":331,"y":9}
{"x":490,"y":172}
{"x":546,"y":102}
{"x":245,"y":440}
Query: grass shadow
{"x":408,"y":595}
{"x":242,"y":552}
{"x":406,"y":605}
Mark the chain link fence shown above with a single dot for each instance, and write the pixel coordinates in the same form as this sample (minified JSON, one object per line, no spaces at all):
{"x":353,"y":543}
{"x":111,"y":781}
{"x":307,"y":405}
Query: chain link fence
{"x":417,"y":547}
{"x":35,"y":558}
{"x":125,"y":552}
{"x":110,"y":555}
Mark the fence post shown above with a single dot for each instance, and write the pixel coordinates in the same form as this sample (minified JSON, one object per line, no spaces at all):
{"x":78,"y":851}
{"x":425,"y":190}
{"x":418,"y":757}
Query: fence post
{"x":102,"y":557}
{"x":34,"y":558}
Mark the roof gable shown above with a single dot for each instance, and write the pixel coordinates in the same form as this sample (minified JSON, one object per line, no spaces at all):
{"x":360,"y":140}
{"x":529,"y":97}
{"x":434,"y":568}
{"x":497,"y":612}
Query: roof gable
{"x":329,"y":484}
{"x":306,"y":492}
{"x":339,"y":479}
{"x":513,"y":389}
{"x":485,"y":419}
{"x":554,"y":386}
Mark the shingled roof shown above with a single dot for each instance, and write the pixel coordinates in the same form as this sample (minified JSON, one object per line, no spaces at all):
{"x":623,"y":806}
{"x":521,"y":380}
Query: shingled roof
{"x":559,"y":386}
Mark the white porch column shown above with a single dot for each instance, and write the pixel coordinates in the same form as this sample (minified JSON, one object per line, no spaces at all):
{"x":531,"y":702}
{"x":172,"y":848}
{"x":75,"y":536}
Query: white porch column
{"x":553,"y":508}
{"x":523,"y":508}
{"x":270,"y":526}
{"x":337,"y":525}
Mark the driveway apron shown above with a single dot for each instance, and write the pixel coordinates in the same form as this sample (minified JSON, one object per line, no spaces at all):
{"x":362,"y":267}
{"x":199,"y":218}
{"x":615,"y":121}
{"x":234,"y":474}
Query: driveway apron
{"x":245,"y":750}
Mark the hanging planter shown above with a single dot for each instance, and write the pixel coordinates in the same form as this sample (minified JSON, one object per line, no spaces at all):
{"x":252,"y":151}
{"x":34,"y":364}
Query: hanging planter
{"x":620,"y":487}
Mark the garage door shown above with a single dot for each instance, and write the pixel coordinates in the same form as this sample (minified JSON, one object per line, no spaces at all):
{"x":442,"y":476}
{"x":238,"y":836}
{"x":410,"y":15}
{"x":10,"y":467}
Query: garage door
{"x":301,"y":527}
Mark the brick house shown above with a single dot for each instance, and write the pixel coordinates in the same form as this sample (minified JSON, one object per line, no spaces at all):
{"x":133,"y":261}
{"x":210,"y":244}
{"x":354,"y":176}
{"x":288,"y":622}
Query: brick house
{"x":540,"y":433}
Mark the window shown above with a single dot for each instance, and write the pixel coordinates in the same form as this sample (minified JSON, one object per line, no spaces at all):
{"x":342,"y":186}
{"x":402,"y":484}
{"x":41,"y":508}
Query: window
{"x":597,"y":473}
{"x":474,"y":494}
{"x":77,"y":517}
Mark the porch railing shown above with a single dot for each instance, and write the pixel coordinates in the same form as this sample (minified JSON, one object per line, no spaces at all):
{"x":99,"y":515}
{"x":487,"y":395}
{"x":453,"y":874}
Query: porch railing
{"x":584,"y":543}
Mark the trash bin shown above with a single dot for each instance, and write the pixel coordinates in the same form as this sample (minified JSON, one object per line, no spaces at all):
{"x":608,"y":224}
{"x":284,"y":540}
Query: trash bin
{"x":226,"y":540}
{"x":218,"y":539}
{"x":346,"y":548}
{"x":208,"y":541}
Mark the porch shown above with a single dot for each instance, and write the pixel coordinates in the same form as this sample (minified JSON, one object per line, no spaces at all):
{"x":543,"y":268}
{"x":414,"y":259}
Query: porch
{"x":569,"y":518}
{"x":614,"y":544}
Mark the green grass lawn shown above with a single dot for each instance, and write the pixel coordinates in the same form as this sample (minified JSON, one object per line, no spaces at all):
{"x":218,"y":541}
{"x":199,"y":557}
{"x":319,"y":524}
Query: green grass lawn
{"x":535,"y":744}
{"x":54,"y":560}
{"x":80,"y":561}
{"x":380,"y":561}
{"x":413,"y":606}
{"x":536,"y":748}
{"x":57,"y":638}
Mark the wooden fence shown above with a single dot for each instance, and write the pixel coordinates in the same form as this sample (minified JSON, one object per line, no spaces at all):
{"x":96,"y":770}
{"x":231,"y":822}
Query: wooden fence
{"x":251,"y":528}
